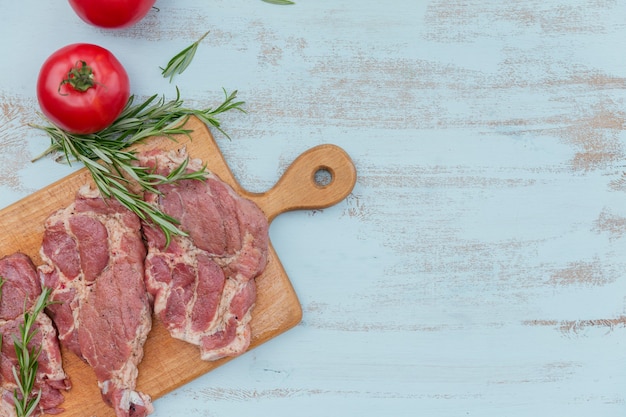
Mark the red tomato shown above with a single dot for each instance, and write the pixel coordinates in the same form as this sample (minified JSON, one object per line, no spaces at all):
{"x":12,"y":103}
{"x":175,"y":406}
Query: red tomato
{"x":82,"y":88}
{"x":112,"y":14}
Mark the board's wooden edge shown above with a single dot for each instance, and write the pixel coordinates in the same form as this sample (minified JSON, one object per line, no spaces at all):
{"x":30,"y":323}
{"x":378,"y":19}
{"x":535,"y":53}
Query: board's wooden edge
{"x":22,"y":210}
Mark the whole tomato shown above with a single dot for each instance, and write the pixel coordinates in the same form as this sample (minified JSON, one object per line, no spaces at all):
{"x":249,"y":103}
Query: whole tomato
{"x":111,"y":14}
{"x":82,"y":88}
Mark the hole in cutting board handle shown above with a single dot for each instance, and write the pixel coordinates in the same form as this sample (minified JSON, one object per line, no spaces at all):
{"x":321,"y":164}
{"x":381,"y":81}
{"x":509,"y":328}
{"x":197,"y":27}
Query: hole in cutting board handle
{"x":323,"y":177}
{"x":318,"y":178}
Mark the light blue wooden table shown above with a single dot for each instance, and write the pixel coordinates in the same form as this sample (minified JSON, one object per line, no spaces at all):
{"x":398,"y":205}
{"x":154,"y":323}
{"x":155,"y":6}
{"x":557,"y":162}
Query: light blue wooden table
{"x":479,"y":266}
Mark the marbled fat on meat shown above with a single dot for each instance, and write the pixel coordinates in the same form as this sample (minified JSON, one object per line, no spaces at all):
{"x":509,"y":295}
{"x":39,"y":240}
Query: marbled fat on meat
{"x":203,"y":285}
{"x":93,"y":256}
{"x":20,"y":290}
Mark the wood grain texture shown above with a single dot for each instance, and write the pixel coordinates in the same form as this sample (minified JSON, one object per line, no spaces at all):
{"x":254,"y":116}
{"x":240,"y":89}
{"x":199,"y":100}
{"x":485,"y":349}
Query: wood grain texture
{"x":477,"y":268}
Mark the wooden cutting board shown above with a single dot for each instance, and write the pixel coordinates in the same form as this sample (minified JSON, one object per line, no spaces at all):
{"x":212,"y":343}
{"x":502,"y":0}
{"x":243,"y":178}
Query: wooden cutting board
{"x":169,"y":363}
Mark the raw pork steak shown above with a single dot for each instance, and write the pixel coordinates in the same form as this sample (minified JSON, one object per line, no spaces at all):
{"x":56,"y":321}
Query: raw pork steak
{"x":94,"y":255}
{"x":203,"y":285}
{"x":20,"y":290}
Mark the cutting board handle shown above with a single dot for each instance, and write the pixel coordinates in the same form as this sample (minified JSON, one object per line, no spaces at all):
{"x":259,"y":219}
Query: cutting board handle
{"x":300,"y":188}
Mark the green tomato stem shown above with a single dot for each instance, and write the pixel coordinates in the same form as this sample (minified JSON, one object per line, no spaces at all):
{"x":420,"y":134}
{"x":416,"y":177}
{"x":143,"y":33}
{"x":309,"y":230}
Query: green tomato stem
{"x":80,"y":78}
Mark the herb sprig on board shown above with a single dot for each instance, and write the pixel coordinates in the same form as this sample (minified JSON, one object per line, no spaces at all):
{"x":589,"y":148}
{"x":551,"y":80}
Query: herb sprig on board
{"x":112,"y":166}
{"x":28,"y":359}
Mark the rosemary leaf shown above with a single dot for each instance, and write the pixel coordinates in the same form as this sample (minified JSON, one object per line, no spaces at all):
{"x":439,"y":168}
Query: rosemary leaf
{"x":179,"y":63}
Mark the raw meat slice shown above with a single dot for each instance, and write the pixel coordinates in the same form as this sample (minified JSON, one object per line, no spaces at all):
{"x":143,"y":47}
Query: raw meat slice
{"x":203,"y":285}
{"x":93,"y":256}
{"x":20,"y":290}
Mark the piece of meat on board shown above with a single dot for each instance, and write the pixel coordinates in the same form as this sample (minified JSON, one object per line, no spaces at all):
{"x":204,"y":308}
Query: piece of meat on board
{"x":203,"y":285}
{"x":20,"y":290}
{"x":93,"y":256}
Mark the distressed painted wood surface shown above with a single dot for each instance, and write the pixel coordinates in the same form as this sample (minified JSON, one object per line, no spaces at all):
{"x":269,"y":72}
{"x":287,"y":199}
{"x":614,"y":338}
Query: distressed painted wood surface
{"x":479,"y":265}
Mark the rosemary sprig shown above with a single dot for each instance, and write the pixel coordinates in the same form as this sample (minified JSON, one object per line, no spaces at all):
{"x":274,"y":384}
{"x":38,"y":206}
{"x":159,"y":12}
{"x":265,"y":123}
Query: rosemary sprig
{"x":281,"y":2}
{"x":111,"y":164}
{"x":181,"y":60}
{"x":28,"y":359}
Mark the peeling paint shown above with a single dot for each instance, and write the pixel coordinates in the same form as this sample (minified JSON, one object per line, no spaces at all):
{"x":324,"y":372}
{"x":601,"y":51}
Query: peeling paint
{"x":579,"y":326}
{"x":582,"y":272}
